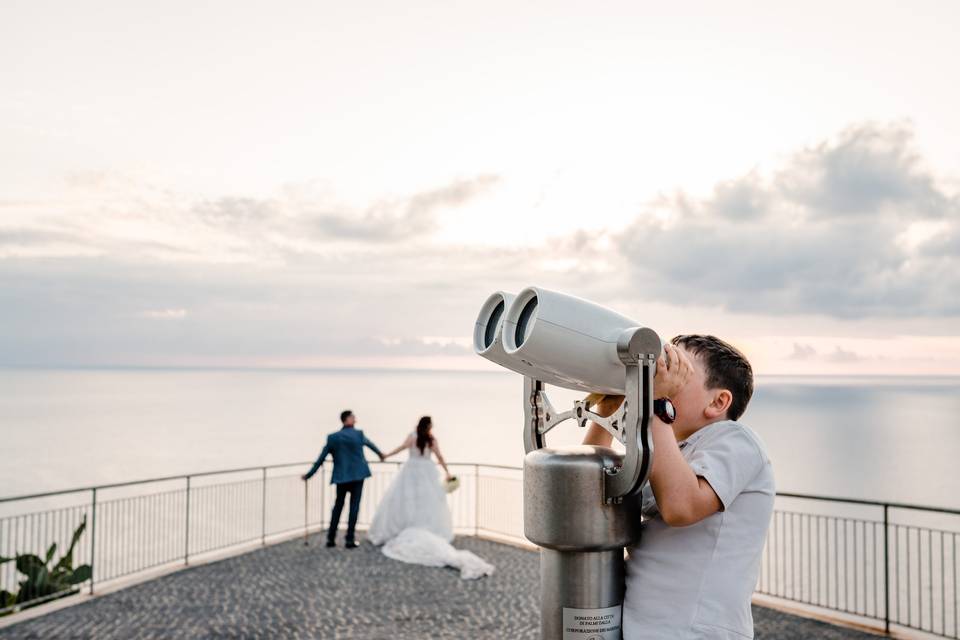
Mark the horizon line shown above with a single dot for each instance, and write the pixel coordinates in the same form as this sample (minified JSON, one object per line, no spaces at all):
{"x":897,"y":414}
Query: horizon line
{"x":122,"y":367}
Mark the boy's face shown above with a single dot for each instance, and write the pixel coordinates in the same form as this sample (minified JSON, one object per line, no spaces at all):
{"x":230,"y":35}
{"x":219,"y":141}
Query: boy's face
{"x":351,"y":420}
{"x":694,"y":401}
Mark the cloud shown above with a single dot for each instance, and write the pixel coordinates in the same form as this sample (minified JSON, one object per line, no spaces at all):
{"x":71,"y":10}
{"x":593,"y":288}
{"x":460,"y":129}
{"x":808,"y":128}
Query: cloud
{"x":164,"y":314}
{"x":840,"y":354}
{"x":121,"y":274}
{"x":122,"y":218}
{"x":396,"y":219}
{"x":26,"y":237}
{"x":237,"y":213}
{"x":37,"y":242}
{"x":802,"y":352}
{"x":417,"y":346}
{"x":868,"y":169}
{"x":398,"y":302}
{"x":823,"y":235}
{"x":384,"y":220}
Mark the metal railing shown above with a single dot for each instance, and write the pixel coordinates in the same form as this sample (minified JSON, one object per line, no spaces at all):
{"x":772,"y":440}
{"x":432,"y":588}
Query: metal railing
{"x":884,"y":563}
{"x":887,"y":564}
{"x":135,"y":527}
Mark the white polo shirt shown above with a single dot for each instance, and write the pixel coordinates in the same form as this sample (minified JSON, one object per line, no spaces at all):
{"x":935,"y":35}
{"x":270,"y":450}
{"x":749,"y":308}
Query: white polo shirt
{"x":686,"y":583}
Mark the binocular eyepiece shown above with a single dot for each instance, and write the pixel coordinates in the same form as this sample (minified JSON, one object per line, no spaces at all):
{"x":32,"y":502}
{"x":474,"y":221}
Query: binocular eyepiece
{"x":559,"y":339}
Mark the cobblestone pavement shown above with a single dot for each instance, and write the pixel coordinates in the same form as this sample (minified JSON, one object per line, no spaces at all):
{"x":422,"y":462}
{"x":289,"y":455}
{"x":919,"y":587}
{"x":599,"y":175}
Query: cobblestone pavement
{"x":291,"y":591}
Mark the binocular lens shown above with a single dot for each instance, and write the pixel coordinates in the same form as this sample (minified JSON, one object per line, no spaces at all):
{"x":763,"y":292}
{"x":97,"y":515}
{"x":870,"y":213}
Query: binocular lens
{"x":524,"y":324}
{"x":490,"y":334}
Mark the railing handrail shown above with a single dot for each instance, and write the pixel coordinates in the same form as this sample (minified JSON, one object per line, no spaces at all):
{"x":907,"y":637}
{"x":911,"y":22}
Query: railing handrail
{"x":201,"y":474}
{"x":870,"y":503}
{"x":183,"y":476}
{"x":132,"y":483}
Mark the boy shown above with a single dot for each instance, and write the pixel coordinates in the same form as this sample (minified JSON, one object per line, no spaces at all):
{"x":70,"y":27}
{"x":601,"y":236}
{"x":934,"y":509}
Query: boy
{"x":708,"y":504}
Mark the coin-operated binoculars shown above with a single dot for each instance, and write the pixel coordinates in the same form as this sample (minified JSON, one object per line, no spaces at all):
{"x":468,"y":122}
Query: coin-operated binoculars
{"x":581,"y":505}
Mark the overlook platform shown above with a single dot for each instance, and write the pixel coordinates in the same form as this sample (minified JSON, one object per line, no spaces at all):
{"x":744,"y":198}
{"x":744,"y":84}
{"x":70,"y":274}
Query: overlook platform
{"x":291,"y":591}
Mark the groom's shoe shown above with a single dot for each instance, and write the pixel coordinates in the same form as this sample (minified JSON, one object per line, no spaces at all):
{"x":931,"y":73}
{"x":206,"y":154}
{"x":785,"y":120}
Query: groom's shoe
{"x":351,"y":545}
{"x":331,"y":543}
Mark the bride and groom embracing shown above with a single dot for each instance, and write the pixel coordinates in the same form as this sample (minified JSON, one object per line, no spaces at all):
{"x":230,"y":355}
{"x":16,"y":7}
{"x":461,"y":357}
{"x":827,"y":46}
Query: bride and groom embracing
{"x":412,"y":522}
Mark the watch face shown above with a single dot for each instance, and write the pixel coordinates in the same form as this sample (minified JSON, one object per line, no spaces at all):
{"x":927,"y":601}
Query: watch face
{"x":670,"y":411}
{"x":664,"y":410}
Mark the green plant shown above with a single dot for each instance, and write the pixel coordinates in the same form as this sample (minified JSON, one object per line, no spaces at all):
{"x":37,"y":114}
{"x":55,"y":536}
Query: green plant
{"x":44,"y":579}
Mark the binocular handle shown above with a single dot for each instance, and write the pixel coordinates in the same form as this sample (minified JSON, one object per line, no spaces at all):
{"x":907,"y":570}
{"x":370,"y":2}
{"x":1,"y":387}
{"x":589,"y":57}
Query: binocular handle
{"x":638,"y":411}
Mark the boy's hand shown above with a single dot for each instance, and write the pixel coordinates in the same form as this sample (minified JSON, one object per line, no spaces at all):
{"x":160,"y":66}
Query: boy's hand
{"x":673,"y":371}
{"x":606,"y":406}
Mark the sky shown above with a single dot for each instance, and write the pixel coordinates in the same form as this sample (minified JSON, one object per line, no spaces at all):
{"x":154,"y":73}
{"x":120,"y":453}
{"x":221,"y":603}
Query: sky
{"x":320,"y":184}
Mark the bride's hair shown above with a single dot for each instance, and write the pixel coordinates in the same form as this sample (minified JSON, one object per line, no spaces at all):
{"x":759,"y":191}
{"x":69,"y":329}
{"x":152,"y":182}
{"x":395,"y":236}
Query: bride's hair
{"x":424,"y":439}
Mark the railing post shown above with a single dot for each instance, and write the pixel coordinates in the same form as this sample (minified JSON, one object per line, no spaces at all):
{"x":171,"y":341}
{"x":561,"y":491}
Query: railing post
{"x":306,"y":510}
{"x":886,"y":570}
{"x":263,"y":510}
{"x":93,"y":537}
{"x":476,"y":500}
{"x":323,"y":494}
{"x":186,"y":528}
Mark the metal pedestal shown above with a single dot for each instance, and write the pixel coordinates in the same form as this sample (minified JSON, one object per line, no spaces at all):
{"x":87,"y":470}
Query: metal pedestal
{"x":582,"y":538}
{"x":580,"y":591}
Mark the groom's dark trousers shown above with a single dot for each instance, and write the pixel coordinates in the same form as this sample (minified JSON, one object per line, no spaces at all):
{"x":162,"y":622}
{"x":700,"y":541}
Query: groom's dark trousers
{"x":350,"y":469}
{"x":355,"y":489}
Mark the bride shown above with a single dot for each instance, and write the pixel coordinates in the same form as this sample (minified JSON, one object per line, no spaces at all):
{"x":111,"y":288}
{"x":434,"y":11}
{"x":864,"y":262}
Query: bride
{"x":416,"y":498}
{"x":413,"y":521}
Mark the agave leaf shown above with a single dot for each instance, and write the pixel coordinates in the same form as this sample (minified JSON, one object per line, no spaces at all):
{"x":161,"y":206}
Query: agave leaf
{"x":52,"y":550}
{"x":78,"y":533}
{"x":80,"y":574}
{"x":30,"y":566}
{"x":7,"y":599}
{"x":41,"y":583}
{"x":66,"y":562}
{"x":24,"y":595}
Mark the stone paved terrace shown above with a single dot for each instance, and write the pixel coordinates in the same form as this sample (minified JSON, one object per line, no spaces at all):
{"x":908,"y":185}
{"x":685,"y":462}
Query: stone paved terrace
{"x":291,"y":591}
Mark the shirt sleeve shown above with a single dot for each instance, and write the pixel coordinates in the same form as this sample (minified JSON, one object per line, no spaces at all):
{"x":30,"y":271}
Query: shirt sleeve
{"x":728,"y":461}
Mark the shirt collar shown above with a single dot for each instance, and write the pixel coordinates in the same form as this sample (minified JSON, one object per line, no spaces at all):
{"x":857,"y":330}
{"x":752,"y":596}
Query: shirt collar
{"x":696,"y":435}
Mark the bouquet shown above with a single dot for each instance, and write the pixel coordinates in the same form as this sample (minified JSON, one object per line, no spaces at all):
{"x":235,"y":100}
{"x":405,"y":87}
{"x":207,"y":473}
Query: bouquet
{"x":452,"y":484}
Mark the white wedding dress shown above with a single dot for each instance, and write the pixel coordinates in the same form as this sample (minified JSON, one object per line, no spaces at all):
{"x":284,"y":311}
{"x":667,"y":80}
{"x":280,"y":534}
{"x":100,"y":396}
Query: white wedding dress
{"x":415,"y":499}
{"x":413,"y":521}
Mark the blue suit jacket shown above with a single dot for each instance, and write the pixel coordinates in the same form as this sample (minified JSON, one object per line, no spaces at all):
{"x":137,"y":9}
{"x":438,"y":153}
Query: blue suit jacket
{"x":346,"y":447}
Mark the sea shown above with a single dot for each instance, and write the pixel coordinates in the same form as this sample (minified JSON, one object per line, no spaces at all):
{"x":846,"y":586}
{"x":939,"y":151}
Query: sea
{"x":894,"y":439}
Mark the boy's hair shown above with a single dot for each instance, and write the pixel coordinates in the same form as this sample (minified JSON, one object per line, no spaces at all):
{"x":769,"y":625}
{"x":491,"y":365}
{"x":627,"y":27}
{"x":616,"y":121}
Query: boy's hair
{"x":727,"y":368}
{"x":344,"y":415}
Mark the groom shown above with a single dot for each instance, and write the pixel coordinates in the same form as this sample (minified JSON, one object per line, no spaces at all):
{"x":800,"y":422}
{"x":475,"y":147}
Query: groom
{"x":349,"y":471}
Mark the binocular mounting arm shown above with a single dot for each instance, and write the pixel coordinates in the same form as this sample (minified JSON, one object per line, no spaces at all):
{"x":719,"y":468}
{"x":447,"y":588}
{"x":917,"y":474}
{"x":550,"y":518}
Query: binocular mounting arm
{"x":638,"y":350}
{"x":581,"y":413}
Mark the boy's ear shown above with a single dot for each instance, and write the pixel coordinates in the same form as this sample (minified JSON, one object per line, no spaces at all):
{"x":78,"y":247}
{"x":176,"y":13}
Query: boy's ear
{"x":722,"y":398}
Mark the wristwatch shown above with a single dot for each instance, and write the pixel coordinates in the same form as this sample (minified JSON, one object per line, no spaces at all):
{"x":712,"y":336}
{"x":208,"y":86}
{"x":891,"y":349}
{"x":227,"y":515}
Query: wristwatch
{"x":663,"y":409}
